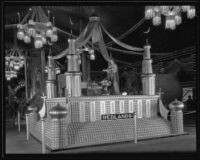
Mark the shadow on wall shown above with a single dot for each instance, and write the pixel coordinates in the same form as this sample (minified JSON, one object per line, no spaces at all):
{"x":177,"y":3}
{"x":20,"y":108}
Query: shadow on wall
{"x":170,"y":86}
{"x":168,"y":83}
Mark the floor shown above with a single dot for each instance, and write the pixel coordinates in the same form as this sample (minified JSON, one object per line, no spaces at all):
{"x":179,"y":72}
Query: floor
{"x":16,"y":143}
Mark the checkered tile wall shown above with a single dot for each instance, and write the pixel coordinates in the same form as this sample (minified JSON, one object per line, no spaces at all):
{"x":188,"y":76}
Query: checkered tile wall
{"x":74,"y":130}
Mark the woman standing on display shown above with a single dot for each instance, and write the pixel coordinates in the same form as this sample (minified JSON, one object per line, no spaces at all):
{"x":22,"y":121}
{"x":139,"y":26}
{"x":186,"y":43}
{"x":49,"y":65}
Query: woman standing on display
{"x":113,"y":76}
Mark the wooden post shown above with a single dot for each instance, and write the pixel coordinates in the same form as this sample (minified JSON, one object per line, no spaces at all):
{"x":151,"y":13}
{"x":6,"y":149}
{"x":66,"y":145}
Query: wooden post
{"x":18,"y":121}
{"x":27,"y":128}
{"x":42,"y":71}
{"x":25,"y":73}
{"x":43,"y":138}
{"x":42,"y":113}
{"x":135,"y":129}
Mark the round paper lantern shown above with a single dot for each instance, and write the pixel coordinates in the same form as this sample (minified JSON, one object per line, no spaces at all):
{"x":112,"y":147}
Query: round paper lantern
{"x":16,"y":67}
{"x":49,"y":32}
{"x":20,"y":34}
{"x":48,"y":24}
{"x":57,"y":70}
{"x":54,"y":38}
{"x":92,"y":57}
{"x":7,"y":58}
{"x":27,"y":39}
{"x":44,"y":40}
{"x":38,"y":42}
{"x":149,"y":12}
{"x":20,"y":26}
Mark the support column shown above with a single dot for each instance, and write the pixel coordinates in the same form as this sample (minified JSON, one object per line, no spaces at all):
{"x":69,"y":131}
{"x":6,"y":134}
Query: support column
{"x":148,"y":78}
{"x":51,"y":81}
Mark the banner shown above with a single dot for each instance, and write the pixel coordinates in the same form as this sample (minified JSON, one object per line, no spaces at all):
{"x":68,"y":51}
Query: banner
{"x":121,"y":43}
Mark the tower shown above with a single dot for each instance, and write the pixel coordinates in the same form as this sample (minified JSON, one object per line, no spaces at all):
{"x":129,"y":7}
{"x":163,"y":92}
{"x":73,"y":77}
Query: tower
{"x":73,"y":74}
{"x":51,"y":81}
{"x":148,"y":78}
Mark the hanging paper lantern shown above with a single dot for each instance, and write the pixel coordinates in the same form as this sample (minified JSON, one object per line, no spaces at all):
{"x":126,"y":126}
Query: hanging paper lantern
{"x":12,"y":63}
{"x":27,"y":38}
{"x":191,"y":13}
{"x":49,"y":32}
{"x":149,"y":12}
{"x":176,"y":9}
{"x":86,"y":49}
{"x":156,"y":8}
{"x":38,"y":41}
{"x":21,"y":58}
{"x":12,"y":57}
{"x":164,"y":10}
{"x":20,"y":34}
{"x":44,"y":40}
{"x":6,"y":63}
{"x":157,"y":20}
{"x":92,"y":56}
{"x":20,"y":26}
{"x":31,"y":22}
{"x":16,"y":66}
{"x":48,"y":24}
{"x":178,"y":19}
{"x":31,"y":31}
{"x":170,"y":23}
{"x":54,"y":38}
{"x":185,"y":8}
{"x":54,"y":29}
{"x":7,"y":58}
{"x":57,"y":70}
{"x":8,"y":78}
{"x":20,"y":64}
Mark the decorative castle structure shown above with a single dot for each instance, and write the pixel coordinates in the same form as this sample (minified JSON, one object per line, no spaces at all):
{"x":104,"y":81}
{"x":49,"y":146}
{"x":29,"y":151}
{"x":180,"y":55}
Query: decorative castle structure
{"x":76,"y":120}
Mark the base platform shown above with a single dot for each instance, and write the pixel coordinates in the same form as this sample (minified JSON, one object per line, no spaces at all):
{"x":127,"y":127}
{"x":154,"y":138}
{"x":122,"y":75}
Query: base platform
{"x":111,"y":131}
